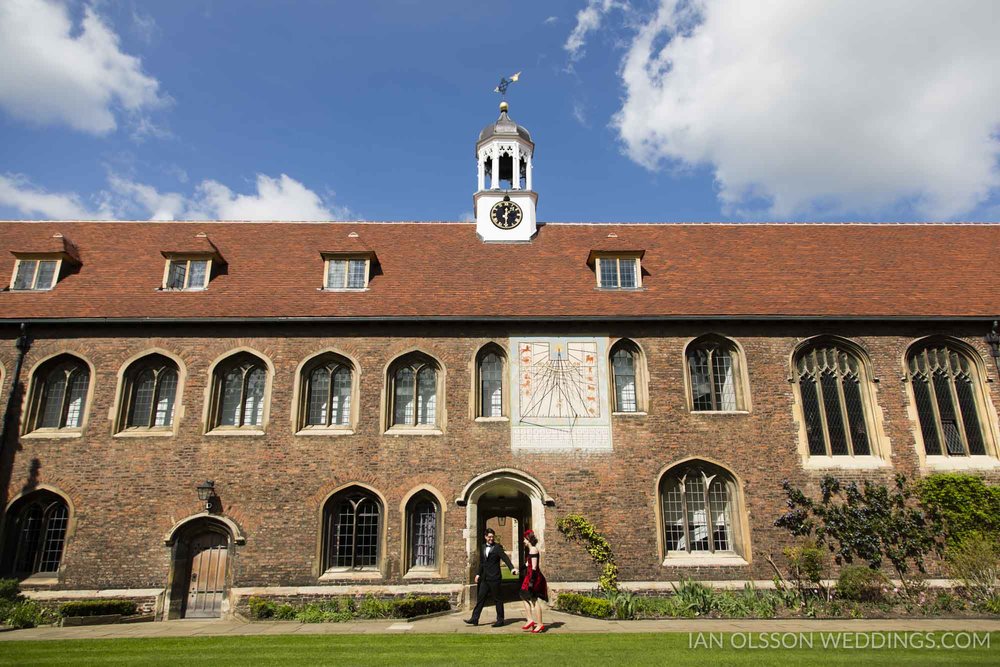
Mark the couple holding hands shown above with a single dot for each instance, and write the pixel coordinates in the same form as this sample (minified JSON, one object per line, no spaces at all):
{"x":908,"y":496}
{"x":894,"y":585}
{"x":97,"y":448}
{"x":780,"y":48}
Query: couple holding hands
{"x":533,"y":585}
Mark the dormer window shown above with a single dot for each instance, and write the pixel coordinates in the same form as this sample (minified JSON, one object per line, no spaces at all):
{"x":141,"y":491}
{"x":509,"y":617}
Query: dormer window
{"x":346,"y":273}
{"x":618,"y":272}
{"x":35,"y":274}
{"x":187,"y":274}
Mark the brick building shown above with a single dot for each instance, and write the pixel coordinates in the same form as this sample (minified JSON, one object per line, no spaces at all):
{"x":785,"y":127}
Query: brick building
{"x":365,"y":397}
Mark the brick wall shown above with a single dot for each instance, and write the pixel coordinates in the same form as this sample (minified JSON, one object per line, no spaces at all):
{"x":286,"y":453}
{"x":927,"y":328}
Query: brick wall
{"x":127,"y":493}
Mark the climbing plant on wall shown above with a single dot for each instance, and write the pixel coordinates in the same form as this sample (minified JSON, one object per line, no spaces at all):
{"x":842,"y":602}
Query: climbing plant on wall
{"x":576,"y":528}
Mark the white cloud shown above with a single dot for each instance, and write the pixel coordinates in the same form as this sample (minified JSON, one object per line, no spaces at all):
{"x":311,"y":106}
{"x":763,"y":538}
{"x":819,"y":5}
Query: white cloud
{"x":281,"y":198}
{"x":820,"y":108}
{"x":588,"y":20}
{"x":17,"y":192}
{"x":550,"y":20}
{"x":56,"y":72}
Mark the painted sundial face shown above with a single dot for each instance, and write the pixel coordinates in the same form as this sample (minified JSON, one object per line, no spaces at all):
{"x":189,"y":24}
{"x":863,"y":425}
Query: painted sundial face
{"x":506,"y":214}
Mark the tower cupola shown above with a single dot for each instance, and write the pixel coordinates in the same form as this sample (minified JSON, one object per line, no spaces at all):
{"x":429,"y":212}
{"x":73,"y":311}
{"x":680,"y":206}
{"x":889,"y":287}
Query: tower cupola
{"x":505,"y":200}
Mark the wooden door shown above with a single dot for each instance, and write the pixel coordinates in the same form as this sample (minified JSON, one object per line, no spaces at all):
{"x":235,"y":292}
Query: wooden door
{"x":207,"y":579}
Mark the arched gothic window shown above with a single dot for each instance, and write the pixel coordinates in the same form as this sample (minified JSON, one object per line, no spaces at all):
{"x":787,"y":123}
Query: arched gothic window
{"x":36,"y":534}
{"x":627,"y":377}
{"x":831,"y":381}
{"x":414,"y":391}
{"x":240,"y":383}
{"x":59,"y":394}
{"x":150,"y":393}
{"x":352,"y":523}
{"x":715,"y":371}
{"x":699,"y":510}
{"x":945,"y":384}
{"x":422,"y":516}
{"x":327,"y":396}
{"x":490,"y":364}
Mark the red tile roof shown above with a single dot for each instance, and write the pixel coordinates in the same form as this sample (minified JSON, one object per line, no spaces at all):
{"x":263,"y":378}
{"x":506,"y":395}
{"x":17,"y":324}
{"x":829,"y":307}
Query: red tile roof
{"x":443,"y":270}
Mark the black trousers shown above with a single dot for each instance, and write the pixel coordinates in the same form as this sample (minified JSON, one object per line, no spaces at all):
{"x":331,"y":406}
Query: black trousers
{"x":486,"y":589}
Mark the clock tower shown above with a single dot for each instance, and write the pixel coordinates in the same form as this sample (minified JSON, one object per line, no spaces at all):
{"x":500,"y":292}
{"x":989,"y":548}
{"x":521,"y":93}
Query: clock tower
{"x":504,"y":203}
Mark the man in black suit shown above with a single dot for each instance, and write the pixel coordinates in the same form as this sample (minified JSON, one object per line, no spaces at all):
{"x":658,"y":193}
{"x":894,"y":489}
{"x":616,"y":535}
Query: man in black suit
{"x":488,"y":577}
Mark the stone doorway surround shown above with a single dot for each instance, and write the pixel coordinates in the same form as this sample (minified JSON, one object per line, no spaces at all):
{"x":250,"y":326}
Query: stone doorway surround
{"x":178,"y":540}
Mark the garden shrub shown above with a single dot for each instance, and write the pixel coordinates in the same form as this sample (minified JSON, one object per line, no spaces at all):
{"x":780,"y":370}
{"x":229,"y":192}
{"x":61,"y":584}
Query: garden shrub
{"x":806,"y":565}
{"x":974,"y":561}
{"x":260,"y":608}
{"x":961,"y":504}
{"x":584,"y":605}
{"x":409,"y":607}
{"x":575,"y":528}
{"x":665,"y":607}
{"x":284,"y":612}
{"x":872,"y":522}
{"x":862,"y":584}
{"x":373,"y":607}
{"x":10,"y":590}
{"x":27,"y":614}
{"x":97,"y":608}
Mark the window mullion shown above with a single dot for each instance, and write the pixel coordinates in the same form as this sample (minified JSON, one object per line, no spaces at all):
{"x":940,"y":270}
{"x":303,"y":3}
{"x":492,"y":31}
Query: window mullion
{"x":843,"y":413}
{"x":416,"y":395}
{"x":244,"y":388}
{"x":932,"y":390}
{"x":957,"y":408}
{"x":64,"y":406}
{"x":711,"y":379}
{"x":821,"y":406}
{"x":329,"y":396}
{"x":684,"y":515}
{"x":354,"y":533}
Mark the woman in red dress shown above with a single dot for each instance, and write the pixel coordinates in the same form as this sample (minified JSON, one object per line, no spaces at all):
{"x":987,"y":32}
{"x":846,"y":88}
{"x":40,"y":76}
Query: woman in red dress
{"x":533,"y":587}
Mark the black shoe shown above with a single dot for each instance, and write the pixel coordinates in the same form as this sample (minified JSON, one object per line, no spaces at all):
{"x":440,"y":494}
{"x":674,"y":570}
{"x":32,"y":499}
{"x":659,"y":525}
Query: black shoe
{"x":470,"y":621}
{"x":498,"y":624}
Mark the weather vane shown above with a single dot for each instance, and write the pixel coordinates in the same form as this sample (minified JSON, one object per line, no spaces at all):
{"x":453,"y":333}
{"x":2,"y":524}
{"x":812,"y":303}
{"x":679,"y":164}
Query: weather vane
{"x":504,"y":82}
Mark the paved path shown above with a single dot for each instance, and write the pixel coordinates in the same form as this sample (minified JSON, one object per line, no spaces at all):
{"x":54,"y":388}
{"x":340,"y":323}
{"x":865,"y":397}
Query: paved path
{"x":452,"y":623}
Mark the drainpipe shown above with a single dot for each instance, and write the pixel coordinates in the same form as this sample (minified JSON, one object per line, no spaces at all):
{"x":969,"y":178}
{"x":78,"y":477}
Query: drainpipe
{"x":993,"y":340}
{"x":23,"y":344}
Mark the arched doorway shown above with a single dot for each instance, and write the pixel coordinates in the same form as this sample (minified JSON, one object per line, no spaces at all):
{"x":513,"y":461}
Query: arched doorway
{"x":201,"y":568}
{"x":510,"y":502}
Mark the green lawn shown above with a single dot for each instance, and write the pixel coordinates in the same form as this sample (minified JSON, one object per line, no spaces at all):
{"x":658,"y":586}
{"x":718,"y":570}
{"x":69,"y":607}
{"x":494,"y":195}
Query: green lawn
{"x":573,"y":649}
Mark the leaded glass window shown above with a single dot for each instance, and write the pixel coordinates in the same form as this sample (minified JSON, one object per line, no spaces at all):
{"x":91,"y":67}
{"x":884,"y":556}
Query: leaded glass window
{"x":490,"y":385}
{"x":347,"y":273}
{"x":944,"y":386}
{"x":151,"y":391}
{"x":698,"y":510}
{"x":241,"y":387}
{"x":187,"y":274}
{"x":60,"y":394}
{"x":414,"y":393}
{"x":623,"y":368}
{"x":35,"y":274}
{"x":831,"y":386}
{"x":352,"y":524}
{"x":37,"y":535}
{"x":328,"y":395}
{"x":423,"y":518}
{"x":618,"y":272}
{"x":713,"y":369}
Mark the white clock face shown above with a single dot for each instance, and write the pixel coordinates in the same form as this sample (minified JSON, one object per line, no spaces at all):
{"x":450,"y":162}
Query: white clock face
{"x":506,"y":214}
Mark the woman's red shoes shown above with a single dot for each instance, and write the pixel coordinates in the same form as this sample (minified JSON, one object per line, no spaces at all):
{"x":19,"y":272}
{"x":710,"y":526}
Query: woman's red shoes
{"x":528,"y":625}
{"x":538,"y":628}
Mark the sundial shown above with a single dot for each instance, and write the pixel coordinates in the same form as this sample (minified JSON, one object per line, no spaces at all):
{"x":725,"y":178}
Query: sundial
{"x":558,"y":379}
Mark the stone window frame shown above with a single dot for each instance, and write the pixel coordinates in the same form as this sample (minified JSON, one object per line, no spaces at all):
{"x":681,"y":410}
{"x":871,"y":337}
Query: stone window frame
{"x":300,"y":394}
{"x":741,"y":380}
{"x":477,"y":392}
{"x":601,"y":257}
{"x":123,"y":398}
{"x":187,"y":258}
{"x":37,"y":578}
{"x":333,"y":573}
{"x":439,"y":569}
{"x":34,"y":398}
{"x":641,"y":378}
{"x":346,"y":257}
{"x":880,"y":455}
{"x":985,"y":409}
{"x":418,"y":359}
{"x":741,"y":554}
{"x":38,"y":257}
{"x":213,"y":393}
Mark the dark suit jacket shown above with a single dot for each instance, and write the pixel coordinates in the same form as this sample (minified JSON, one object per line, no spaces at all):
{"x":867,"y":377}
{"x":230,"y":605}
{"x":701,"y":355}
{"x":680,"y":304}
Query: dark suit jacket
{"x":489,"y":567}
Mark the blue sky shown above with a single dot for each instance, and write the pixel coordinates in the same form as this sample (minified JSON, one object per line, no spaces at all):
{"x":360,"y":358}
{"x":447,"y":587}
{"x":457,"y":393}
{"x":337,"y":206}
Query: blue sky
{"x":641,"y":110}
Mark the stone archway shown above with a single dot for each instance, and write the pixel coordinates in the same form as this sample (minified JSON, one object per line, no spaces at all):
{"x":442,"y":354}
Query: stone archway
{"x":200,"y":567}
{"x":508,"y":493}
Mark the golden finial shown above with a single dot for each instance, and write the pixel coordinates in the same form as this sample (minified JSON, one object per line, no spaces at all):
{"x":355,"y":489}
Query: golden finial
{"x":503,"y":107}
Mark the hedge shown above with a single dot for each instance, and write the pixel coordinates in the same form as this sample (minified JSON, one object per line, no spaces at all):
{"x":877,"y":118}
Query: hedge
{"x":347,"y":608}
{"x":962,"y":504}
{"x":584,"y":605}
{"x":97,"y":608}
{"x":410,"y":607}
